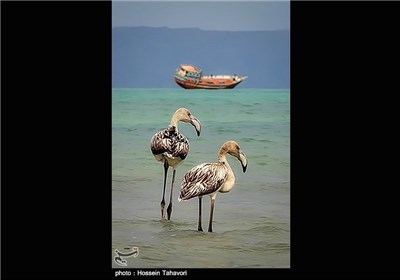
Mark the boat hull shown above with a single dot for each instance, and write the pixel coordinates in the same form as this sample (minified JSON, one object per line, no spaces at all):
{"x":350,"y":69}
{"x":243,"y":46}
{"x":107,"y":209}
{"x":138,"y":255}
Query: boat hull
{"x":202,"y":85}
{"x":191,"y":77}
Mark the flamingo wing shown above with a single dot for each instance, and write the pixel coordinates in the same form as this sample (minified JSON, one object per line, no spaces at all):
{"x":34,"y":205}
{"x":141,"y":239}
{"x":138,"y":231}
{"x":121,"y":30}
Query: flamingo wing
{"x":203,"y":179}
{"x":170,"y":143}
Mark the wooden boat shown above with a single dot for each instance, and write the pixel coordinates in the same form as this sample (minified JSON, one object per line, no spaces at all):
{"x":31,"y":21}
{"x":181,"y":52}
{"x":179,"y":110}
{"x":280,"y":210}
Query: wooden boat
{"x":190,"y":77}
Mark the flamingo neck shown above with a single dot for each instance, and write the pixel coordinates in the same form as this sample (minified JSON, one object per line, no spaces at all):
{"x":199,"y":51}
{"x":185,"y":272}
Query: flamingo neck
{"x":230,"y":181}
{"x":174,"y":121}
{"x":222,"y":158}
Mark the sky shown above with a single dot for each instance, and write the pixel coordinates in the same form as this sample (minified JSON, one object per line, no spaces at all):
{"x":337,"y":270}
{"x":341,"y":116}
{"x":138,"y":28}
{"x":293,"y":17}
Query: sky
{"x":206,"y":15}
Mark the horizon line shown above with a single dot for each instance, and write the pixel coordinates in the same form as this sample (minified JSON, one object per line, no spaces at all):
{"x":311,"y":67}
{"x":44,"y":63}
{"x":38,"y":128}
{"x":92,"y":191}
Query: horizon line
{"x":198,"y":28}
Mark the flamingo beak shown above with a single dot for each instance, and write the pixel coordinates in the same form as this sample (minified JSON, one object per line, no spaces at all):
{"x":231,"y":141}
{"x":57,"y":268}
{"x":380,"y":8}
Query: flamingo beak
{"x":196,"y":123}
{"x":243,"y":160}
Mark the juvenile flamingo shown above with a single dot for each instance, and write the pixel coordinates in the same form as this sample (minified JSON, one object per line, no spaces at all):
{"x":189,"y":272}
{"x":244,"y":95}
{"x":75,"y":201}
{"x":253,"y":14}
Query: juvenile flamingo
{"x":171,"y":147}
{"x":211,"y":178}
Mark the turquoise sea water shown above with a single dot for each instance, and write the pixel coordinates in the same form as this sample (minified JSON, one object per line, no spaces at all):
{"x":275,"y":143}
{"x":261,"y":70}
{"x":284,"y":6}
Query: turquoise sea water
{"x":251,"y":223}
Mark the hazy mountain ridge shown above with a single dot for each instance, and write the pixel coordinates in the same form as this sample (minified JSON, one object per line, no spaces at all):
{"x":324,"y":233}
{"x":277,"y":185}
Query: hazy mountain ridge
{"x":148,"y":56}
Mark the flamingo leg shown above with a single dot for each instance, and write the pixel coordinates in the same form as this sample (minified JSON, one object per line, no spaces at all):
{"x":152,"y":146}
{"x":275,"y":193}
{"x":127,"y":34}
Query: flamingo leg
{"x":199,"y":226}
{"x":165,"y":180}
{"x":211,"y":214}
{"x":169,"y":209}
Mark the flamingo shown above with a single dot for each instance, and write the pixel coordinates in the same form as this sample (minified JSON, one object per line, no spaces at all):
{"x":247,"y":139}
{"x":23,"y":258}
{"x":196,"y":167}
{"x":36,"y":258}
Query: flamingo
{"x":211,"y":178}
{"x":171,"y":147}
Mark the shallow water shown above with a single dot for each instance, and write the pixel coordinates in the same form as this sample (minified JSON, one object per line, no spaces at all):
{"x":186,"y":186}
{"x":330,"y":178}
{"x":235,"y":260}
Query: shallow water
{"x":251,"y":227}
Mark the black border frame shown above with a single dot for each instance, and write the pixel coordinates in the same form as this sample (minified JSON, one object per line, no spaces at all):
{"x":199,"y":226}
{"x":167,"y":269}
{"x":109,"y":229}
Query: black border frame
{"x":54,"y":190}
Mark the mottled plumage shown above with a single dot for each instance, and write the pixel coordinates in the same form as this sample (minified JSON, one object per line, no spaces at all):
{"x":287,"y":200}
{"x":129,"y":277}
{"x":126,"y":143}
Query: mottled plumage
{"x":171,"y":147}
{"x":203,"y":179}
{"x":211,"y":178}
{"x":170,"y":144}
